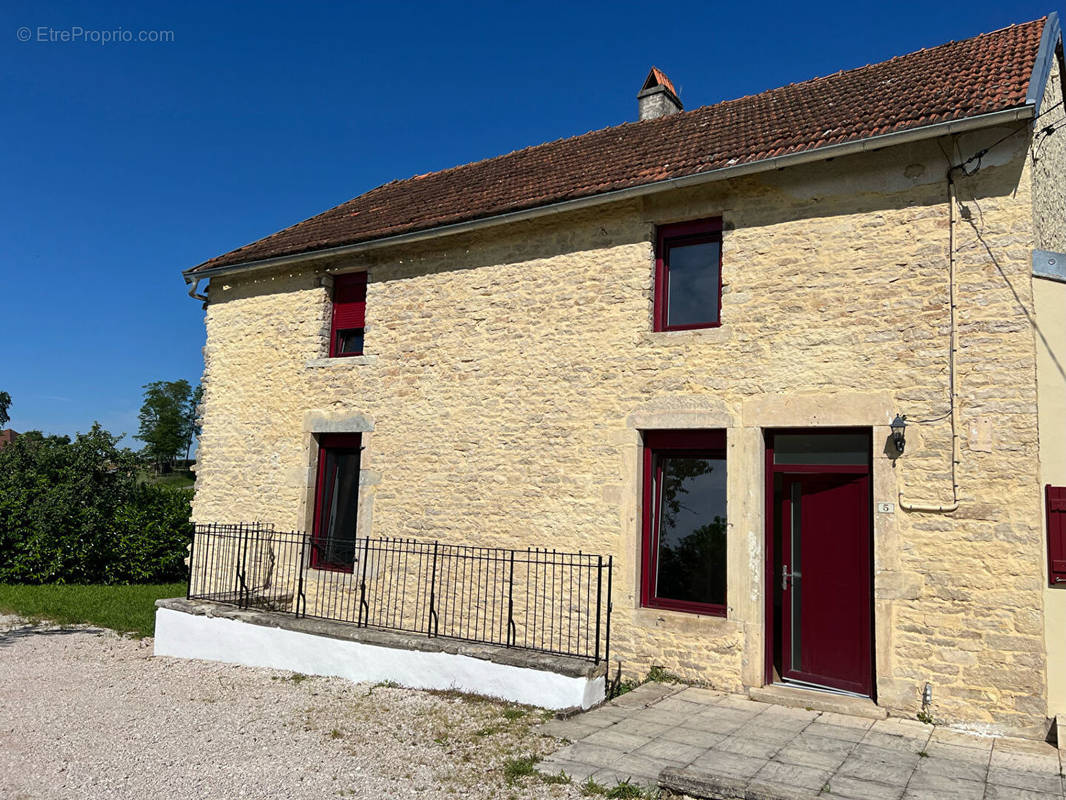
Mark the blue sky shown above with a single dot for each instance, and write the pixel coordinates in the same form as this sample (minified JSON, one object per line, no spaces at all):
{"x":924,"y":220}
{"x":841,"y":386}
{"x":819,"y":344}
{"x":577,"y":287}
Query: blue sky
{"x":124,"y":163}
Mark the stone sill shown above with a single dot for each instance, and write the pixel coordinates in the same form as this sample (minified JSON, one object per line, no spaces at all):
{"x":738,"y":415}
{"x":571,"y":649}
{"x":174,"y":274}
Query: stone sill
{"x":344,"y":361}
{"x":723,"y":333}
{"x":497,"y":654}
{"x":685,"y":622}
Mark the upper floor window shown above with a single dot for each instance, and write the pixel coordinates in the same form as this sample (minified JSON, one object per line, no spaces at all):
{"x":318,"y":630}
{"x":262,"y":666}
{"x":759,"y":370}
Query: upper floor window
{"x":349,"y":315}
{"x":688,"y":275}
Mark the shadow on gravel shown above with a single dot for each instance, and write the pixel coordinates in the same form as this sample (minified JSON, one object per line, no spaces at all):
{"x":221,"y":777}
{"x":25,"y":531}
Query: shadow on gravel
{"x":10,"y":637}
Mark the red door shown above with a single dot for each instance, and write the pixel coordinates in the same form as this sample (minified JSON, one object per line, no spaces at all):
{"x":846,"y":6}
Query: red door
{"x":825,"y":581}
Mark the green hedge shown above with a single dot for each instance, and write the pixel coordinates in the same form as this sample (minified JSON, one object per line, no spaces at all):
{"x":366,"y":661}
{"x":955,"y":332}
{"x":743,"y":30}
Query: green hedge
{"x":76,"y":512}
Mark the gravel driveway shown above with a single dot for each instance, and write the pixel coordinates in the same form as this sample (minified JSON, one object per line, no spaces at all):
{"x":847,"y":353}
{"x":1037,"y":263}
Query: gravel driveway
{"x":85,"y":713}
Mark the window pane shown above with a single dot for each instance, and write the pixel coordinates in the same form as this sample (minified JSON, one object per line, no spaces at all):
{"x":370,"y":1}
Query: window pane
{"x":337,"y":515}
{"x":693,"y":283}
{"x":822,"y":448}
{"x":795,"y":583}
{"x":350,"y":342}
{"x":691,"y":530}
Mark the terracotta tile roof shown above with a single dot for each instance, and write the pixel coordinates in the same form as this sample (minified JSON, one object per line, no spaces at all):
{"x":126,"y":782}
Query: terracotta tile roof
{"x":658,"y":78}
{"x":987,"y":73}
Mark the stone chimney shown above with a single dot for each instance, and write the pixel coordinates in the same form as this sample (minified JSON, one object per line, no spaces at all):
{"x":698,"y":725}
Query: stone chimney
{"x":657,"y":97}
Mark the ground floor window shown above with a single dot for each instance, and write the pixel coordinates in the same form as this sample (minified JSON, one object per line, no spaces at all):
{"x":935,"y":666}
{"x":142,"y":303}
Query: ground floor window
{"x":684,"y":542}
{"x":336,"y":502}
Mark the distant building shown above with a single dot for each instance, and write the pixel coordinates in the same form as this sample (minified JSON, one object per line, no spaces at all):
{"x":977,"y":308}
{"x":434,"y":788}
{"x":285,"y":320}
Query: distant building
{"x":7,"y":437}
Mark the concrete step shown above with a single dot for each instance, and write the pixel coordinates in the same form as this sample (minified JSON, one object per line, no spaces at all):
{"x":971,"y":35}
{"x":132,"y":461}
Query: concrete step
{"x":814,"y":700}
{"x":690,"y":782}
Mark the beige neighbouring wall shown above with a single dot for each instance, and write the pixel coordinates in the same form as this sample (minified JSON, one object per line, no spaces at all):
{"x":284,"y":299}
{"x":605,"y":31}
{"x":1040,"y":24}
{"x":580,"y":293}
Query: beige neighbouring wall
{"x":1049,"y":217}
{"x":1051,"y":398}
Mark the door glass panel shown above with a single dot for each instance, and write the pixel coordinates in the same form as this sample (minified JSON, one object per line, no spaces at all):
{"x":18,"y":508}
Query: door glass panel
{"x":691,"y":535}
{"x":852,"y":449}
{"x":795,"y":584}
{"x":339,"y":504}
{"x":693,"y":283}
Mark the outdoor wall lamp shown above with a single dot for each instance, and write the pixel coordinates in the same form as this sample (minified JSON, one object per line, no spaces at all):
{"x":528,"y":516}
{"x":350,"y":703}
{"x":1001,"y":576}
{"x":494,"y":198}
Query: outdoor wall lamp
{"x":899,"y":425}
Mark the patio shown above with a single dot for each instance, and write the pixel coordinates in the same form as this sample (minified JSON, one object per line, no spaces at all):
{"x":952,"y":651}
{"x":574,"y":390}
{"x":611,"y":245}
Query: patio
{"x":703,"y":743}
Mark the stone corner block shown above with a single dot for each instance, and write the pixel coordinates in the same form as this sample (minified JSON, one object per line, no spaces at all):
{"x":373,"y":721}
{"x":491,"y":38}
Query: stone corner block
{"x":898,"y":585}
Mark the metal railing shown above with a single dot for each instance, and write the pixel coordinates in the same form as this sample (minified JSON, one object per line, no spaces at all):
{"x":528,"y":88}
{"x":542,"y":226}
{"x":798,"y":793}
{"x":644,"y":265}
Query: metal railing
{"x":534,"y":599}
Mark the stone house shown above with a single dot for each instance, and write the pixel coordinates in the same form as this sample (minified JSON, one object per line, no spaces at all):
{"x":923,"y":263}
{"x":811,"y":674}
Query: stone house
{"x":682,"y":343}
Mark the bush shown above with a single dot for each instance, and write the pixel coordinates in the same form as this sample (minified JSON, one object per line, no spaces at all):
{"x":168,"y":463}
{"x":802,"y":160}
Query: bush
{"x":152,"y":535}
{"x":76,"y":512}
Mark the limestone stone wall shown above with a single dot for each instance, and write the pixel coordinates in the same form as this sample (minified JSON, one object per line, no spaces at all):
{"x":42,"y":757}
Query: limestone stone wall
{"x":1049,"y":214}
{"x":509,"y":373}
{"x":1048,"y":161}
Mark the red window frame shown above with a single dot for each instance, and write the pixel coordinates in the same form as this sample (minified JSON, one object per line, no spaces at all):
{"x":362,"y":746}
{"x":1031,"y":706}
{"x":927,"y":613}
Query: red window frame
{"x":327,"y":442}
{"x":349,"y":309}
{"x":1055,"y":511}
{"x":704,"y":443}
{"x":683,"y":233}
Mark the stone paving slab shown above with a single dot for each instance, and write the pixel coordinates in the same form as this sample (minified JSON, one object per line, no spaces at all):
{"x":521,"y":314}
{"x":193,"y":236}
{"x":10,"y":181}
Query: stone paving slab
{"x":715,"y":745}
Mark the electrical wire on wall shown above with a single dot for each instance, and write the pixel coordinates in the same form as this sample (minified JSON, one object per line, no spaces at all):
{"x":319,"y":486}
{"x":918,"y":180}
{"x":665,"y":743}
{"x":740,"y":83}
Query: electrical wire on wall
{"x":953,"y":405}
{"x":1041,"y":136}
{"x":969,"y":167}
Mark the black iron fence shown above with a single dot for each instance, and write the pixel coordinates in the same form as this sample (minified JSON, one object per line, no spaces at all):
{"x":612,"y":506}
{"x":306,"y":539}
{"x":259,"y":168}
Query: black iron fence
{"x":535,"y":599}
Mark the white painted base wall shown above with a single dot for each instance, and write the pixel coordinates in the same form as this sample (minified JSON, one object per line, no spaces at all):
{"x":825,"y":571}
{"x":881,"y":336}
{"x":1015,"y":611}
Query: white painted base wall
{"x":214,"y":639}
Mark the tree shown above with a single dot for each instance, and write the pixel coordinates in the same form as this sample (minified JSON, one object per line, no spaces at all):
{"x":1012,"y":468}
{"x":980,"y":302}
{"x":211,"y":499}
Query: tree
{"x":167,"y":418}
{"x":193,"y":410}
{"x":5,"y":404}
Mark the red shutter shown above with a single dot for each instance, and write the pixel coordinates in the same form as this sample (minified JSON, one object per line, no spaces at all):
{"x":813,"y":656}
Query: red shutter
{"x":348,"y":315}
{"x":1055,"y":497}
{"x":350,"y":288}
{"x":349,"y":305}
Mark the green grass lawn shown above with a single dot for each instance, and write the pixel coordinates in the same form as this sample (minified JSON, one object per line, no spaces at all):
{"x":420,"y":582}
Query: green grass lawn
{"x":129,"y":609}
{"x":176,"y":480}
{"x":179,"y":479}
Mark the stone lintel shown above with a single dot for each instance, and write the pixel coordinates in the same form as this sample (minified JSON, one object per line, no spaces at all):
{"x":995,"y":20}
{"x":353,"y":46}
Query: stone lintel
{"x":320,"y":422}
{"x":838,"y":409}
